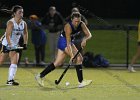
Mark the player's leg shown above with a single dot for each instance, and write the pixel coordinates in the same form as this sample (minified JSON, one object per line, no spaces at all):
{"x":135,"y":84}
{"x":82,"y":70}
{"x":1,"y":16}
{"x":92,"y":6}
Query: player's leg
{"x":3,"y":56}
{"x":14,"y":56}
{"x":133,"y":61}
{"x":20,"y":54}
{"x":59,"y":60}
{"x":79,"y":70}
{"x":78,"y":65}
{"x":62,"y":51}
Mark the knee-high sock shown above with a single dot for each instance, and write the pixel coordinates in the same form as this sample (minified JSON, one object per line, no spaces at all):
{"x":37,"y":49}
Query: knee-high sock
{"x":47,"y":70}
{"x":12,"y":71}
{"x":79,"y":72}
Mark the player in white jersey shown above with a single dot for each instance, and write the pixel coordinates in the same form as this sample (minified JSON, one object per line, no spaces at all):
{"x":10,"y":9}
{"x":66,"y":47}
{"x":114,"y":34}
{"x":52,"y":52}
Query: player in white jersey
{"x":16,"y":27}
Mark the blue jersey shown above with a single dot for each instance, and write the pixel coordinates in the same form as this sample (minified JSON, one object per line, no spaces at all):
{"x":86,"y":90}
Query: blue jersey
{"x":62,"y":38}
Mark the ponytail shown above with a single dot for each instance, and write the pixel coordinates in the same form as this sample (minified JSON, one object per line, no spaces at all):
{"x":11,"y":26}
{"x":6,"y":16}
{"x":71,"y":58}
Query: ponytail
{"x":13,"y":10}
{"x":6,"y":11}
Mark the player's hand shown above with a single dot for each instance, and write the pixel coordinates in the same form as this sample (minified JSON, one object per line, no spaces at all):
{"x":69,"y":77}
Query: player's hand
{"x":71,"y":59}
{"x":24,"y":46}
{"x":11,"y":47}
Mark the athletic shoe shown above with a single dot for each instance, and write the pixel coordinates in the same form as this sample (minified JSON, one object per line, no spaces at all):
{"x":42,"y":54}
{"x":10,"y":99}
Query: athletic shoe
{"x":42,"y":63}
{"x":39,"y":80}
{"x":12,"y":82}
{"x":131,"y":68}
{"x":84,"y":83}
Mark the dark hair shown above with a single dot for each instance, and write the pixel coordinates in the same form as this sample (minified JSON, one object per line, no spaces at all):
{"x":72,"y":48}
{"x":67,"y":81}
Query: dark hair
{"x":15,"y":8}
{"x":52,"y":8}
{"x":75,"y":9}
{"x":75,"y":14}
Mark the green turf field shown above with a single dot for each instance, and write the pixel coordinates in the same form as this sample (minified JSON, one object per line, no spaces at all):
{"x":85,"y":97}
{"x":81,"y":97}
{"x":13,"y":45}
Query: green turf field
{"x":108,"y":84}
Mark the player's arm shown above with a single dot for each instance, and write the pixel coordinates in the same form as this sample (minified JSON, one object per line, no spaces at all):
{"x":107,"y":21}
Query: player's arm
{"x":25,"y":34}
{"x":87,"y":34}
{"x":84,"y":19}
{"x":9,"y":29}
{"x":68,"y":30}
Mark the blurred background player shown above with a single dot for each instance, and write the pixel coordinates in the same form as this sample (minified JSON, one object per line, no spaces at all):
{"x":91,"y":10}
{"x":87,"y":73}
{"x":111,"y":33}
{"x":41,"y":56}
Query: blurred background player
{"x":54,"y":21}
{"x":3,"y":56}
{"x":78,"y":38}
{"x":137,"y":55}
{"x":1,"y":40}
{"x":66,"y":47}
{"x":16,"y":27}
{"x":38,"y":38}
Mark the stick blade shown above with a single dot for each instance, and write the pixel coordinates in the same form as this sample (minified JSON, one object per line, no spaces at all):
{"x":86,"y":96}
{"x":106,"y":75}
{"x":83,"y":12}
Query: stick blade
{"x":14,"y":48}
{"x":56,"y":82}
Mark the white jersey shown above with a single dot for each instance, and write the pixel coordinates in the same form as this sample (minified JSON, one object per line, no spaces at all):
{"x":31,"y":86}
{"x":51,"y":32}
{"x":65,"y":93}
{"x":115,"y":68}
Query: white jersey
{"x":18,"y":30}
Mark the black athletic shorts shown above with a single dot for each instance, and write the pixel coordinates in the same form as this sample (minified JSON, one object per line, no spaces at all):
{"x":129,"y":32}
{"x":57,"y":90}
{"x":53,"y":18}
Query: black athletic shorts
{"x":5,"y":50}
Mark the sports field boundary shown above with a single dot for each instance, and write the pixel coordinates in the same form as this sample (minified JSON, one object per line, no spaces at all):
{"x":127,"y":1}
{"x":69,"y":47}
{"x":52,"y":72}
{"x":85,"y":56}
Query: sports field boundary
{"x":66,"y":64}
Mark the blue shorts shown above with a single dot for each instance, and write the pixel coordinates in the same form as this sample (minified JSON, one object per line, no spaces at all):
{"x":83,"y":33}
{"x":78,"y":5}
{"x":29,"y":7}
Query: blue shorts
{"x":62,"y":43}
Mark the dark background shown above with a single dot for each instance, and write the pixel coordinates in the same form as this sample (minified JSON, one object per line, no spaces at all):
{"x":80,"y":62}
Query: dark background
{"x":102,"y":8}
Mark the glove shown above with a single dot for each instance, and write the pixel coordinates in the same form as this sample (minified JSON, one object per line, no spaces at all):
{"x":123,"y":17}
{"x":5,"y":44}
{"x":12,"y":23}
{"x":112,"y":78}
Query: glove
{"x":24,"y":46}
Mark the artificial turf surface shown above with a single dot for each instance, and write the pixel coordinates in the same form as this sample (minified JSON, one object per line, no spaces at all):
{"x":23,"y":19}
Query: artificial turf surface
{"x":108,"y":84}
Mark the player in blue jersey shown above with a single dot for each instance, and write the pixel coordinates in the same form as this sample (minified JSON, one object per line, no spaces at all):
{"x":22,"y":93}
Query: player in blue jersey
{"x":66,"y":47}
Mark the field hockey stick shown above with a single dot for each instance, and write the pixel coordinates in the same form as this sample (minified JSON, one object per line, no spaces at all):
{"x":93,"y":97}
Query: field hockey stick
{"x":64,"y":72}
{"x":14,"y":48}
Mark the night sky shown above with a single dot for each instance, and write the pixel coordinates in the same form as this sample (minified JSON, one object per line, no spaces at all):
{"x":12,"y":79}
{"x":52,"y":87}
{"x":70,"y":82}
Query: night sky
{"x":102,"y":8}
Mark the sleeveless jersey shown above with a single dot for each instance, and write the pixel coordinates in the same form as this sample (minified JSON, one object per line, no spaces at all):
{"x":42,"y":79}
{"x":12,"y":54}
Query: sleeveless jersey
{"x":75,"y":32}
{"x":62,"y":42}
{"x":18,"y":30}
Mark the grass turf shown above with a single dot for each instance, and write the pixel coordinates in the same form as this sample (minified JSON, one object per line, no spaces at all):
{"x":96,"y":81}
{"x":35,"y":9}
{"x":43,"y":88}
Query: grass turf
{"x":108,"y":84}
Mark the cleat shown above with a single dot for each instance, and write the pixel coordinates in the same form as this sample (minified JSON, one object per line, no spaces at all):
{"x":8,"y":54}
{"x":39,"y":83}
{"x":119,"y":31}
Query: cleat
{"x":131,"y":69}
{"x":39,"y":80}
{"x":84,"y":83}
{"x":12,"y":82}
